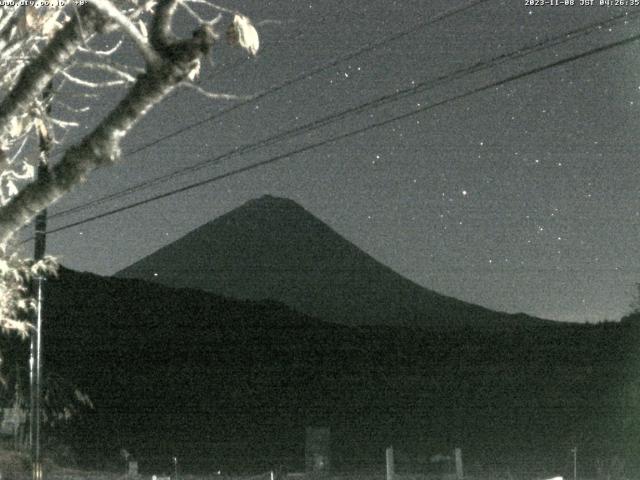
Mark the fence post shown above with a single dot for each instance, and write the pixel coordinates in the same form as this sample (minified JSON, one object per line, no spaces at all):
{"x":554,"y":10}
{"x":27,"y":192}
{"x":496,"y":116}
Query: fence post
{"x":459,"y":470}
{"x":390,"y":464}
{"x":317,"y":450}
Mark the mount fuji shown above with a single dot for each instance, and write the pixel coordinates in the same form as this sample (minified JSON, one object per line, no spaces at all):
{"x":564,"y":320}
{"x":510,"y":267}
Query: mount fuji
{"x":272,"y":248}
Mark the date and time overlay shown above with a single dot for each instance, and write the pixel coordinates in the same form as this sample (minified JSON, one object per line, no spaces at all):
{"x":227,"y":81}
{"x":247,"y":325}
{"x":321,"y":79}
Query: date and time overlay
{"x":582,"y":3}
{"x":527,"y":3}
{"x":44,"y":3}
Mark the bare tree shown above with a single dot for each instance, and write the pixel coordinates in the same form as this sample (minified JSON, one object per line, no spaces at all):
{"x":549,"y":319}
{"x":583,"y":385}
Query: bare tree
{"x":49,"y":51}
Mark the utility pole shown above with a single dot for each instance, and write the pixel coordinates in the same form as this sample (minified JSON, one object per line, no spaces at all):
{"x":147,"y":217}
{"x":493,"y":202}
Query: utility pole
{"x":459,"y":470}
{"x":35,"y":361}
{"x":390,"y":464}
{"x":574,"y":450}
{"x":36,"y":347}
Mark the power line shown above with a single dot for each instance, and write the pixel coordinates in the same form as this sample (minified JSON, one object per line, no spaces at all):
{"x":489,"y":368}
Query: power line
{"x":211,"y":75}
{"x":332,"y":118}
{"x":352,"y":133}
{"x":286,"y":83}
{"x":314,"y":71}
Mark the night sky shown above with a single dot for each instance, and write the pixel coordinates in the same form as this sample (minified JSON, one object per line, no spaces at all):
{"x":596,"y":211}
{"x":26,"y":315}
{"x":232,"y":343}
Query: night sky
{"x":522,"y":197}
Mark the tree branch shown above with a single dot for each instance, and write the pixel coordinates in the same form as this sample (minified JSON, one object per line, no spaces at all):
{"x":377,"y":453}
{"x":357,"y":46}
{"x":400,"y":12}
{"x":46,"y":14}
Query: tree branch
{"x":161,"y":35}
{"x":108,"y":9}
{"x":102,"y":146}
{"x":37,"y":74}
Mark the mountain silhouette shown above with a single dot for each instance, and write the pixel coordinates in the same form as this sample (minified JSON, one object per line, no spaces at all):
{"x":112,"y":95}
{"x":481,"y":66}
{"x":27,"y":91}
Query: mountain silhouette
{"x":272,"y":248}
{"x":231,"y":384}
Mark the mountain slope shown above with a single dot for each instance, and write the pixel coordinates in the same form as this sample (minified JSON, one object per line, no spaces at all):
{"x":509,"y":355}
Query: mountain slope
{"x":273,"y":248}
{"x":222,"y":383}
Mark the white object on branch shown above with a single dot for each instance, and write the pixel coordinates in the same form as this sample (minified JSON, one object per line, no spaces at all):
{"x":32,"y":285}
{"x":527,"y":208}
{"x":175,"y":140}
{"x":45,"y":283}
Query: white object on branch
{"x":242,"y":33}
{"x":19,"y":125}
{"x":8,"y":179}
{"x":27,"y":173}
{"x":195,"y":71}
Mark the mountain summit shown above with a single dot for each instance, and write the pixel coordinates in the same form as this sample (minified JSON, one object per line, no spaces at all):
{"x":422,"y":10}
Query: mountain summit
{"x":272,"y":248}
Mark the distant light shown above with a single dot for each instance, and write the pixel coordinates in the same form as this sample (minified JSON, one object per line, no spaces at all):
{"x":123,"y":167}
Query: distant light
{"x":155,"y":274}
{"x":464,"y":193}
